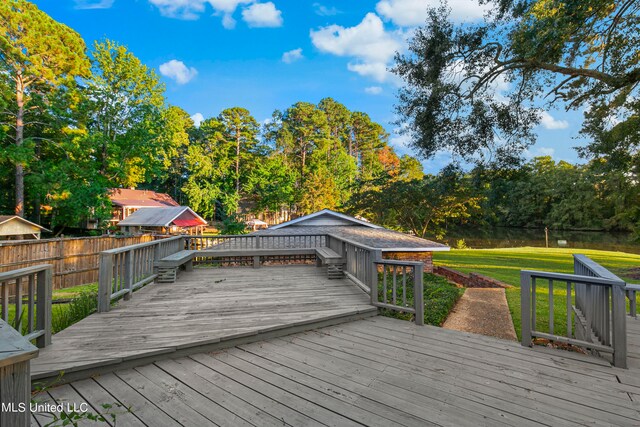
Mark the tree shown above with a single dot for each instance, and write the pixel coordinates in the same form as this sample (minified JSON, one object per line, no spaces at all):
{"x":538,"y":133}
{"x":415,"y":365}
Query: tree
{"x":477,"y":89}
{"x":422,"y":206}
{"x":38,"y":53}
{"x":123,"y":107}
{"x":207,"y":165}
{"x":240,"y":132}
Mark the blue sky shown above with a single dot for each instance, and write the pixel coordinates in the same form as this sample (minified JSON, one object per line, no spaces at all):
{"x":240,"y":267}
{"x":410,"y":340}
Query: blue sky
{"x":267,"y":55}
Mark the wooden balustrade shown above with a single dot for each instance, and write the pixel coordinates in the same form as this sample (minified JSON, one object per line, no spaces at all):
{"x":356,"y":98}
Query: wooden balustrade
{"x":123,"y":270}
{"x":597,"y":319}
{"x":399,"y":277}
{"x":33,"y":319}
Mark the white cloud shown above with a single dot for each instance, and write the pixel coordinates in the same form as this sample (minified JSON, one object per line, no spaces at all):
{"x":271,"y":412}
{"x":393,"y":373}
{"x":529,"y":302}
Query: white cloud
{"x":262,"y":15}
{"x":409,"y":13}
{"x":177,"y":71}
{"x":373,"y":90}
{"x":93,"y":4}
{"x":549,"y":122}
{"x":292,"y":56}
{"x":322,"y":10}
{"x":192,"y":9}
{"x":197,"y":119}
{"x":400,"y":140}
{"x":368,"y":43}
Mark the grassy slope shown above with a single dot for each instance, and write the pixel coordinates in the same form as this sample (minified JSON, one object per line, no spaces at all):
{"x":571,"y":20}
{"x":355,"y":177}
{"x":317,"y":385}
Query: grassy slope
{"x":505,"y":265}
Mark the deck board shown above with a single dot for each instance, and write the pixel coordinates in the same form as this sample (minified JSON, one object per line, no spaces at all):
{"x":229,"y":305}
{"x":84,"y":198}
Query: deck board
{"x":376,"y":371}
{"x":206,"y":307}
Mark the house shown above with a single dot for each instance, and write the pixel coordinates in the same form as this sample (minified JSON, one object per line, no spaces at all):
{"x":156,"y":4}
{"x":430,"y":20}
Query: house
{"x":13,"y":227}
{"x":126,"y":201}
{"x":393,"y":244}
{"x":166,"y":220}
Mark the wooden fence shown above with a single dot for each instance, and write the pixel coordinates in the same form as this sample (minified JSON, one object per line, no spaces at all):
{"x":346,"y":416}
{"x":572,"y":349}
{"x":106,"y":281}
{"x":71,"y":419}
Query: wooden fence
{"x":75,"y":260}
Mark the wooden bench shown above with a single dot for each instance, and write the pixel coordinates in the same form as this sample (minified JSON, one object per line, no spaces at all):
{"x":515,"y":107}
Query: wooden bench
{"x":169,"y":265}
{"x":334,"y":262}
{"x":256,"y":254}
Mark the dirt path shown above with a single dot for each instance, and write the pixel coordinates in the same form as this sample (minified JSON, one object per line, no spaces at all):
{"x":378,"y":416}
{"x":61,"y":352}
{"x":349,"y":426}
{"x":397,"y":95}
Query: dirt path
{"x":482,"y":311}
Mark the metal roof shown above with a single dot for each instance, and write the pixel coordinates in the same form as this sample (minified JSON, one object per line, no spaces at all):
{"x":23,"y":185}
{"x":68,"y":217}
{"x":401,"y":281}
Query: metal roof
{"x":158,"y":217}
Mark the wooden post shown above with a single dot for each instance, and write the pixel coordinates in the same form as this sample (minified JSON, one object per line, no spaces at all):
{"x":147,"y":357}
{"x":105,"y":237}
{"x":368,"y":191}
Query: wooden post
{"x":373,"y":286}
{"x":525,"y":301}
{"x":43,"y":308}
{"x":15,"y":377}
{"x":105,"y":282}
{"x":619,"y":324}
{"x":128,"y":274}
{"x":418,"y":293}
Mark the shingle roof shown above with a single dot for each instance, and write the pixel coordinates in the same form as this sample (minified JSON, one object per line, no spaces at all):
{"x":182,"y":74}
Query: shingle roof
{"x":140,"y":198}
{"x":379,"y":238}
{"x":159,"y":217}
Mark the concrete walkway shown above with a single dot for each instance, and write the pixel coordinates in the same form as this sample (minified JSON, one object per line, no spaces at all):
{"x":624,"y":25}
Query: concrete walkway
{"x":482,"y":311}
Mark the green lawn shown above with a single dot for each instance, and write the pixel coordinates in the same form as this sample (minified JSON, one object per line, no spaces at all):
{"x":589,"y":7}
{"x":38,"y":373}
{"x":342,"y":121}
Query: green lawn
{"x":505,"y":265}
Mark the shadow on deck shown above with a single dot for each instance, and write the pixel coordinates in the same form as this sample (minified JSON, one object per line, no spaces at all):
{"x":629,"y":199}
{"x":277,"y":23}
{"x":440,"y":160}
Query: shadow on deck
{"x":204,"y":310}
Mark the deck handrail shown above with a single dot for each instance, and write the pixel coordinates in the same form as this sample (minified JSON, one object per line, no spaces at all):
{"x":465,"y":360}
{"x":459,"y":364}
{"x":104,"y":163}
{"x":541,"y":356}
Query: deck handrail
{"x":404,"y":272}
{"x":37,"y":282}
{"x":599,"y":309}
{"x":120,"y":271}
{"x":125,"y":269}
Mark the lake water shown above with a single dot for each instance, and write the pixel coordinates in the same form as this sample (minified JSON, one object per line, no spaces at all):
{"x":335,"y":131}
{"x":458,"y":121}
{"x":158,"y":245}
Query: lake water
{"x":504,"y":237}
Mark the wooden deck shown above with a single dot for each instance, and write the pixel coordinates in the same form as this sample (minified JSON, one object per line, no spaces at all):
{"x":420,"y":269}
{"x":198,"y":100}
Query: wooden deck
{"x":204,"y":310}
{"x":376,"y":371}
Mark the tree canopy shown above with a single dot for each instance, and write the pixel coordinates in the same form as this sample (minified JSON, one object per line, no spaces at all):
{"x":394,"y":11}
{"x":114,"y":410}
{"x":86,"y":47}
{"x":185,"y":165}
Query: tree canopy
{"x":478,"y":89}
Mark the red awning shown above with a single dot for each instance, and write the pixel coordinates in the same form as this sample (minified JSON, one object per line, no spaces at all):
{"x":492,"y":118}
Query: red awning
{"x":192,"y":222}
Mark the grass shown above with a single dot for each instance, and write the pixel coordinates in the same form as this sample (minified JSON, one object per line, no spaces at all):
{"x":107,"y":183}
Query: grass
{"x":439,"y":298}
{"x":505,"y":264}
{"x":83,"y":302}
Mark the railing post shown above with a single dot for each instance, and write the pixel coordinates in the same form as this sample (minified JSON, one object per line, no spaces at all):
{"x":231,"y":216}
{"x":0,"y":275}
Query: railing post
{"x":619,"y":324}
{"x":105,"y":282}
{"x":631,"y":294}
{"x":418,"y":293}
{"x":525,"y":300}
{"x":373,"y":286}
{"x":128,"y":274}
{"x":15,"y":377}
{"x":43,"y":307}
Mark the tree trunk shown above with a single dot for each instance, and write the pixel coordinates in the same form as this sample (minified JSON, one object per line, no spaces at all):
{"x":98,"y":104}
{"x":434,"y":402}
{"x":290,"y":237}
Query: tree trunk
{"x":19,"y":140}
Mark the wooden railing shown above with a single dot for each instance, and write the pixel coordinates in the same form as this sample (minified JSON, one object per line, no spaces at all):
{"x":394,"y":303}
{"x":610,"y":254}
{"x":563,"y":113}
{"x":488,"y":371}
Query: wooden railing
{"x":16,"y":353}
{"x":33,"y":319}
{"x":599,"y":309}
{"x":267,"y":241}
{"x":390,"y":284}
{"x":123,"y":270}
{"x":396,"y":275}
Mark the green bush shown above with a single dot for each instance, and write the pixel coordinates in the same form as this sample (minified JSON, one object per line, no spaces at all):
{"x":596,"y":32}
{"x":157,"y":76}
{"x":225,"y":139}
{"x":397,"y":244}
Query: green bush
{"x":439,"y":298}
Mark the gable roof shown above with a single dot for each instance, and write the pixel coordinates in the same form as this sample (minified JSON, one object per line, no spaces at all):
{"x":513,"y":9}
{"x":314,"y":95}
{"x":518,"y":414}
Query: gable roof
{"x":329,"y":213}
{"x":162,"y":217}
{"x":140,"y":198}
{"x":7,"y":218}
